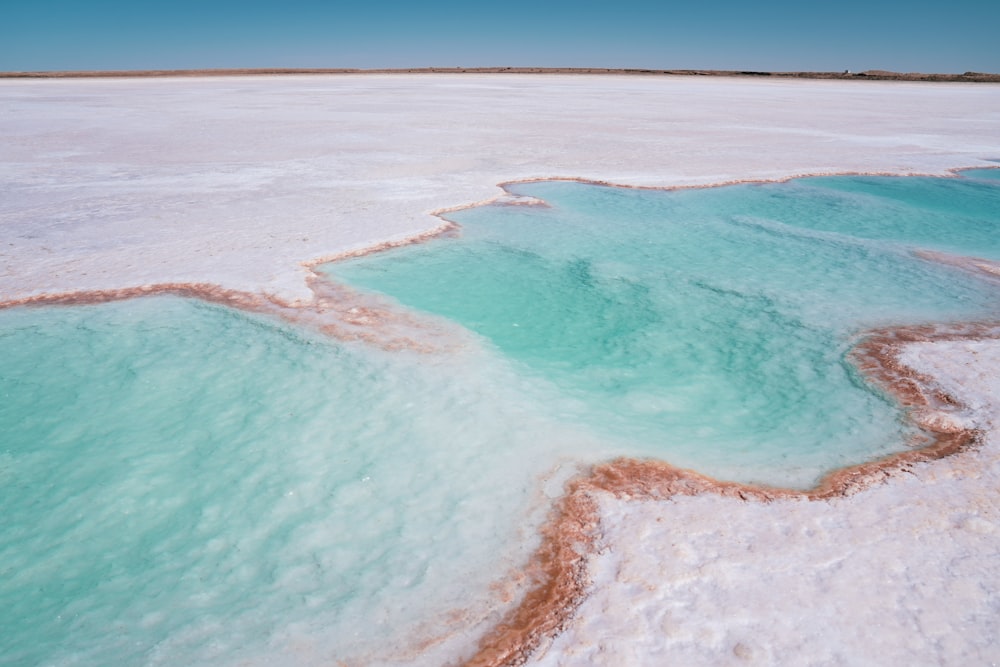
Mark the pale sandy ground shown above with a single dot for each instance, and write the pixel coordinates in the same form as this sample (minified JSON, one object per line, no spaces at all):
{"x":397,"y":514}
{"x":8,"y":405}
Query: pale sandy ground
{"x":239,"y":181}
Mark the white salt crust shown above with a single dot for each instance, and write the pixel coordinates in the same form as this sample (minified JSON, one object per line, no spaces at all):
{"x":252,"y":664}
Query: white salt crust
{"x":904,"y":573}
{"x":237,"y":181}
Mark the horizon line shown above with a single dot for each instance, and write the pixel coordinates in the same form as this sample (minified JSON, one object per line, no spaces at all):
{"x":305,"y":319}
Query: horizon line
{"x":878,"y":75}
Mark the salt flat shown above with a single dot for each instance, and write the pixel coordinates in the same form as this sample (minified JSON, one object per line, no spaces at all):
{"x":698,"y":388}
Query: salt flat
{"x":237,"y":181}
{"x":242,"y":182}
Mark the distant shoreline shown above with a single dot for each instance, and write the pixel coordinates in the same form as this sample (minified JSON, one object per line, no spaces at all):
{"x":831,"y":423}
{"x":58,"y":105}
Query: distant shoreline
{"x":869,"y":75}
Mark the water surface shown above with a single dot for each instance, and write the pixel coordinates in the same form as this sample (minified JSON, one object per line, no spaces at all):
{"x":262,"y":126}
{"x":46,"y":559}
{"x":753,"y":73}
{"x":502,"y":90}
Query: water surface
{"x":709,"y":327}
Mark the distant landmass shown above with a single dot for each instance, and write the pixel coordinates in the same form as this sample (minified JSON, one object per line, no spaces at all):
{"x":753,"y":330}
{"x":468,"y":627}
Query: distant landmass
{"x":876,"y":75}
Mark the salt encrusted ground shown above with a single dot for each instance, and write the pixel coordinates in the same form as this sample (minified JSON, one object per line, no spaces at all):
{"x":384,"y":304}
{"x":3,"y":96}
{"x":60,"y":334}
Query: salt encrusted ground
{"x":236,"y":181}
{"x":240,"y":183}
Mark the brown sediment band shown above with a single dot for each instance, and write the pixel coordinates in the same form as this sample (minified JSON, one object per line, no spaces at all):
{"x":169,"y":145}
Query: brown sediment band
{"x":447,"y":229}
{"x":510,"y":198}
{"x":572,"y":534}
{"x":203,"y":291}
{"x":335,"y":310}
{"x":984,"y":269}
{"x":950,"y":173}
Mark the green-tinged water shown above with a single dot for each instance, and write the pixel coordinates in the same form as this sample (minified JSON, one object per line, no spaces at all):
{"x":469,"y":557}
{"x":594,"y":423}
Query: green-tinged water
{"x":184,"y":484}
{"x":181,"y":483}
{"x":708,"y":327}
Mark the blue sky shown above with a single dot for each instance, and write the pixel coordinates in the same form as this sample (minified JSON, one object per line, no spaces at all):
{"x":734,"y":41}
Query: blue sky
{"x":955,"y":36}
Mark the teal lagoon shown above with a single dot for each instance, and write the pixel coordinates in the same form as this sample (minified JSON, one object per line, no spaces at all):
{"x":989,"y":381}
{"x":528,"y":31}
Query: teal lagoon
{"x":709,"y":327}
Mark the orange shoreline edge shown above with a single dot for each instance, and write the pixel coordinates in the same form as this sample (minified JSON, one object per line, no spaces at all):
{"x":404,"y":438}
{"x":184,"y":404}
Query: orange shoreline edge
{"x":571,"y":535}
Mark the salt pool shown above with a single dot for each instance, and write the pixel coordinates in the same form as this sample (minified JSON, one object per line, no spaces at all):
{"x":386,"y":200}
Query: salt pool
{"x":709,"y":327}
{"x":184,"y":483}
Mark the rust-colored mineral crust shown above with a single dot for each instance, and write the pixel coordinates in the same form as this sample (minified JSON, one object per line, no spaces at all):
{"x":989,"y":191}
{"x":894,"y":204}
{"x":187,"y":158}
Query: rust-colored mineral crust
{"x":335,"y":310}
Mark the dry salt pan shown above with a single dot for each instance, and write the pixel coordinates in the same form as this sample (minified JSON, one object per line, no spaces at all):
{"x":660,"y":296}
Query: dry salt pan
{"x":236,"y":181}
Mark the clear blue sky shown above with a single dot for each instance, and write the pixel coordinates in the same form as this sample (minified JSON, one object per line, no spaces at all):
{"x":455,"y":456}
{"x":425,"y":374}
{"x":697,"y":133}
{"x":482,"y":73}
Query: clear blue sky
{"x":915,"y":35}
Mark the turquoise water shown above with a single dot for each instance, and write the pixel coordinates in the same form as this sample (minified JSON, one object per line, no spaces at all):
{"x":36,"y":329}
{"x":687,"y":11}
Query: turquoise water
{"x":709,"y":326}
{"x":182,"y":483}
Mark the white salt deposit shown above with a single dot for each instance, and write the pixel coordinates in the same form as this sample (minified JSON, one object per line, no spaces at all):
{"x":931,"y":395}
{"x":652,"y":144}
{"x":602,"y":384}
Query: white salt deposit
{"x":237,"y":181}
